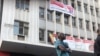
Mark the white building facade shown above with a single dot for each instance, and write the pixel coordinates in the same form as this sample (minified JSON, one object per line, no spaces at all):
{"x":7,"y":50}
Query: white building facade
{"x":29,"y":22}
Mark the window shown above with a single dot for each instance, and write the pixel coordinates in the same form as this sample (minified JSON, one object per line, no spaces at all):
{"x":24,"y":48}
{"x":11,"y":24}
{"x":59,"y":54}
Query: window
{"x":87,"y":25}
{"x":96,"y":0}
{"x":82,"y":38}
{"x":41,"y":35}
{"x":73,"y":3}
{"x":89,"y":39}
{"x":80,"y":23}
{"x":49,"y":32}
{"x":91,"y":9}
{"x":21,"y":28}
{"x":58,"y":17}
{"x":66,"y":19}
{"x":79,"y":6}
{"x":99,"y":26}
{"x":22,"y":4}
{"x":85,"y":8}
{"x":41,"y":12}
{"x":93,"y":24}
{"x":65,"y":2}
{"x":97,"y":12}
{"x":74,"y":21}
{"x":49,"y":15}
{"x":75,"y":36}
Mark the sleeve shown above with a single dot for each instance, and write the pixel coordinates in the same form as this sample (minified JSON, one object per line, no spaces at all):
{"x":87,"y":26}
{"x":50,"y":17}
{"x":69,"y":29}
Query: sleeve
{"x":66,"y":45}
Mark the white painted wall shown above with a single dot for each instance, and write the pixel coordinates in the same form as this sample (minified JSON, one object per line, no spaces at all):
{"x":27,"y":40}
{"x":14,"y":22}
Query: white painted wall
{"x":10,"y":13}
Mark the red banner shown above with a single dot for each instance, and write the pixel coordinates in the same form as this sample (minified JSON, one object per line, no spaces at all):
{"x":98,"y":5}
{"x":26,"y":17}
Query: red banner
{"x":59,"y":6}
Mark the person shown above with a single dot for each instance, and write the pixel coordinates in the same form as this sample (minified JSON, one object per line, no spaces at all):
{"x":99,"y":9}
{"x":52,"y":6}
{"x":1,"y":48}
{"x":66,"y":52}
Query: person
{"x":97,"y":44}
{"x":62,"y":48}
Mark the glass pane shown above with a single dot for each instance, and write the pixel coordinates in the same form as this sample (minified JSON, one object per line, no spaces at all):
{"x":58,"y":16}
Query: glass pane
{"x":17,"y":3}
{"x":27,"y":4}
{"x":58,"y":17}
{"x":73,"y":21}
{"x":65,"y":1}
{"x":66,"y":19}
{"x":21,"y":24}
{"x":22,"y":4}
{"x":41,"y":12}
{"x":41,"y":34}
{"x":25,"y":30}
{"x":49,"y":15}
{"x":16,"y":28}
{"x":21,"y":30}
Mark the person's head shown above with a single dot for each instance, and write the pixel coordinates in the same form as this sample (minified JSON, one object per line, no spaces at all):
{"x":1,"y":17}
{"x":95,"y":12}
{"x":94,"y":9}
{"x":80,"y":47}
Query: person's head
{"x":61,"y":36}
{"x":98,"y":31}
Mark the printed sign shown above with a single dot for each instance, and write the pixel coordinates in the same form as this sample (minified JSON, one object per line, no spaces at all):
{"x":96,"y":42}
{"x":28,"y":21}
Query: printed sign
{"x":78,"y":43}
{"x":71,"y":42}
{"x":58,"y":6}
{"x":88,"y":45}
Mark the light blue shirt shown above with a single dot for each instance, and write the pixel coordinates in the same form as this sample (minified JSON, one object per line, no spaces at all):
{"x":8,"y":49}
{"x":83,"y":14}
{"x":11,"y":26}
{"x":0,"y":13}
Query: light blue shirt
{"x":59,"y":52}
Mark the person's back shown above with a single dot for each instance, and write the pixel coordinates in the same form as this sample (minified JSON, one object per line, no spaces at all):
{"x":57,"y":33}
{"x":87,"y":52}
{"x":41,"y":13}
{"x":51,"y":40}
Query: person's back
{"x":97,"y":44}
{"x":60,"y":52}
{"x":61,"y":48}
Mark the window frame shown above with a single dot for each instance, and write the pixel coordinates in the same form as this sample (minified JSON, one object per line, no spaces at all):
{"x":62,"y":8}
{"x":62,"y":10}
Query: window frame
{"x":22,"y":6}
{"x":42,"y":35}
{"x":65,"y":2}
{"x":91,"y":10}
{"x":49,"y":15}
{"x":66,"y":19}
{"x":79,"y":6}
{"x":41,"y":10}
{"x":22,"y":28}
{"x":87,"y":25}
{"x":74,"y":21}
{"x":93,"y":25}
{"x":85,"y":8}
{"x":80,"y":23}
{"x":58,"y":17}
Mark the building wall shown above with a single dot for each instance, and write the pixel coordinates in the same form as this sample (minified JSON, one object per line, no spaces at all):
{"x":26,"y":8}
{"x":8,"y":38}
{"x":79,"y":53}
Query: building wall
{"x":10,"y":14}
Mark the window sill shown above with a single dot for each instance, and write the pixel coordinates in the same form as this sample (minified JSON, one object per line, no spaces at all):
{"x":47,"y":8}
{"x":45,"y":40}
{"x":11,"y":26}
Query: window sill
{"x":86,"y":13}
{"x":92,"y":14}
{"x":98,"y":16}
{"x":58,"y":22}
{"x":74,"y":26}
{"x":94,"y":31}
{"x":41,"y":18}
{"x":50,"y":20}
{"x":67,"y":25}
{"x":80,"y":10}
{"x":88,"y":29}
{"x":49,"y":43}
{"x":42,"y":42}
{"x":81,"y":28}
{"x":23,"y":9}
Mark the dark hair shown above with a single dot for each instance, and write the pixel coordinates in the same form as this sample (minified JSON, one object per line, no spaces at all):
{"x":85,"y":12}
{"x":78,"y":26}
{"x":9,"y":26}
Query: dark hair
{"x":61,"y":36}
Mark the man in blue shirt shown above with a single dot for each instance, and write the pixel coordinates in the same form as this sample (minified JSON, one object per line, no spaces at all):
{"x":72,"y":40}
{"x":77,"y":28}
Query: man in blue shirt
{"x":61,"y":47}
